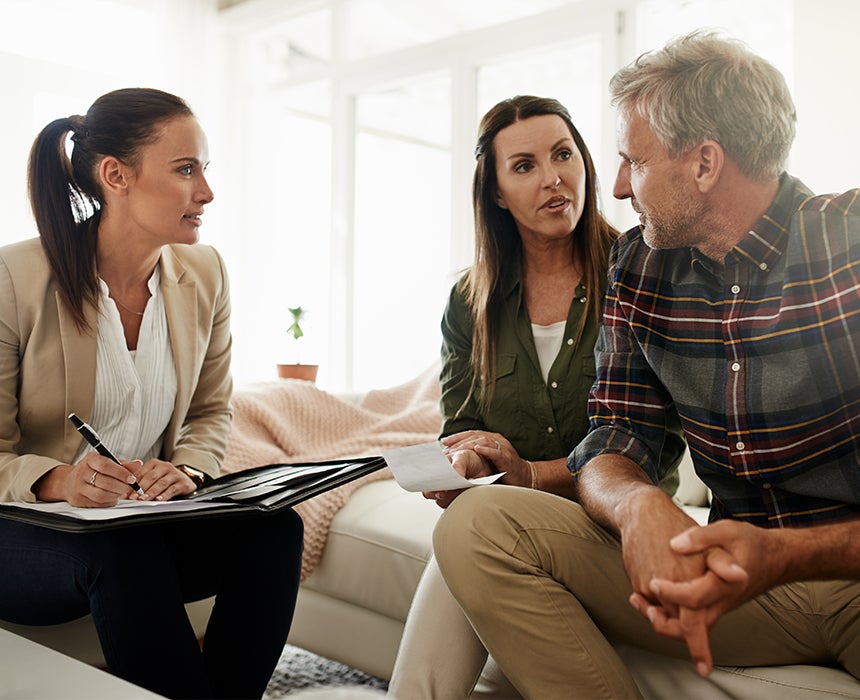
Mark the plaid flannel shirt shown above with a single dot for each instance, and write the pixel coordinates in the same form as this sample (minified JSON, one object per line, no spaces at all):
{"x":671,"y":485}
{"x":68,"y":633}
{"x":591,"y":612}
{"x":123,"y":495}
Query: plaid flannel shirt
{"x":759,"y":358}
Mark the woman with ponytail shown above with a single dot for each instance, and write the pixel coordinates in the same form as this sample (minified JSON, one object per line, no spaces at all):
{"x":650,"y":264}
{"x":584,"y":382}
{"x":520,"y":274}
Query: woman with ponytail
{"x":114,"y":313}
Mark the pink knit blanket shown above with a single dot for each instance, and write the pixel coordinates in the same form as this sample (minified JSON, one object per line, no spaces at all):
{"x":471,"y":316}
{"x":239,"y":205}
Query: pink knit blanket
{"x":288,"y":421}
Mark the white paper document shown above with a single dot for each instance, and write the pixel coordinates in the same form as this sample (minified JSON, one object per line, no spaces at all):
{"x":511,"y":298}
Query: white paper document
{"x":123,"y":509}
{"x":425,"y":467}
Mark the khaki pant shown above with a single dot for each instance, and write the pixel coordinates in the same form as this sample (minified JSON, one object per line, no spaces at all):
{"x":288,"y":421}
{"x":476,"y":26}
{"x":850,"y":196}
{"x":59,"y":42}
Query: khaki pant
{"x":440,"y":656}
{"x":545,"y":589}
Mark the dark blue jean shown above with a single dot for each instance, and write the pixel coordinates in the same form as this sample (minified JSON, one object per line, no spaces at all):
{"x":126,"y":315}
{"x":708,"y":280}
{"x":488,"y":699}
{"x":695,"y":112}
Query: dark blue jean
{"x":135,"y":581}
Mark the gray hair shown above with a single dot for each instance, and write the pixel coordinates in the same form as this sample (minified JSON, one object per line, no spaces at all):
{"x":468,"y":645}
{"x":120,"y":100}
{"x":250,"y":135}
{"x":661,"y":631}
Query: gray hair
{"x":701,"y":86}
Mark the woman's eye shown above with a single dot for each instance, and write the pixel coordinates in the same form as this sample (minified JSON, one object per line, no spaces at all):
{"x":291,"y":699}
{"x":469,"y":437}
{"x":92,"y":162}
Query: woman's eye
{"x":186,"y":169}
{"x":565,"y":155}
{"x":523,"y":167}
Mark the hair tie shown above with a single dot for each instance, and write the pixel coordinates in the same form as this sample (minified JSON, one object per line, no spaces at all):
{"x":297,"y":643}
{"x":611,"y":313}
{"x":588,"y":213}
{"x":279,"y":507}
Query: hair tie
{"x":79,"y":128}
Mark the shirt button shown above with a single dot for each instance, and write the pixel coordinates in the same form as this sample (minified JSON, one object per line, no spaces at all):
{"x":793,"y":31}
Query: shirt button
{"x":740,"y":446}
{"x":549,"y":429}
{"x":736,"y":366}
{"x":570,"y":341}
{"x":582,"y":300}
{"x":554,"y":385}
{"x":765,"y":486}
{"x":736,"y":289}
{"x":763,"y":266}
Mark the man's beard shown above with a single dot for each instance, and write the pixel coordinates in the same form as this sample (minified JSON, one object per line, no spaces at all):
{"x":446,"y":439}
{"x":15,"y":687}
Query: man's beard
{"x":679,"y":225}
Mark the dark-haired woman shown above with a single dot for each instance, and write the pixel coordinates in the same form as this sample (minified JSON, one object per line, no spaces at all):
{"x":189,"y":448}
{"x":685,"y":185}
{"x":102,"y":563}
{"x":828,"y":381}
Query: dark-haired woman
{"x":115,"y":314}
{"x":517,"y":354}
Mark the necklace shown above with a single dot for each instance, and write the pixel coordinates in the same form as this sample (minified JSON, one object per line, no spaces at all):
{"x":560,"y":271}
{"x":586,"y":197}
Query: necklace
{"x":131,"y":311}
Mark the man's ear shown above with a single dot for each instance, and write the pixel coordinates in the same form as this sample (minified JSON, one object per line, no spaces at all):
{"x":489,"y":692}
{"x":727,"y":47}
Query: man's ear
{"x":114,"y":175}
{"x":708,"y":159}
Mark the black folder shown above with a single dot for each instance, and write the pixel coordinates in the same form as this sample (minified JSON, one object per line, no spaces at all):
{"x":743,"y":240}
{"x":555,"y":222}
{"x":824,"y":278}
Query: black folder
{"x":258,"y":490}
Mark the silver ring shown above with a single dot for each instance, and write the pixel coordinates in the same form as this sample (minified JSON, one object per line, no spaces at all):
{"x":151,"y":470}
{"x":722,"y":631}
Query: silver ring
{"x":93,"y":478}
{"x":498,"y":446}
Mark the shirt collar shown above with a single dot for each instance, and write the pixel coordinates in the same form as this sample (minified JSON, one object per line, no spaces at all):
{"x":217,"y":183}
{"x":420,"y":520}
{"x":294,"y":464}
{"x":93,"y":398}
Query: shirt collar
{"x":513,"y":275}
{"x":767,"y":240}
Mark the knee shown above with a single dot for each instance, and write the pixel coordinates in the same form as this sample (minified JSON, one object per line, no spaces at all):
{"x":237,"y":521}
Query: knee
{"x":290,"y":526}
{"x":285,"y":528}
{"x":284,"y":523}
{"x":478,"y":519}
{"x":457,"y":519}
{"x":269,"y":545}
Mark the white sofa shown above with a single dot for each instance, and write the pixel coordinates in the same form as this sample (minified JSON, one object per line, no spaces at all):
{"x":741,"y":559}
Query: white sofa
{"x":352,"y":608}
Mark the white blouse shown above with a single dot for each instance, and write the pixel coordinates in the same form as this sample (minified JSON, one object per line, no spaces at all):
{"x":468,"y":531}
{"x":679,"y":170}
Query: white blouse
{"x":135,"y":391}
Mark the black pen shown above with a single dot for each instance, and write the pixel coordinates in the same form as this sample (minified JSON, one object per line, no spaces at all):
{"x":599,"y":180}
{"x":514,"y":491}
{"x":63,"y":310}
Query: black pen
{"x":92,"y":437}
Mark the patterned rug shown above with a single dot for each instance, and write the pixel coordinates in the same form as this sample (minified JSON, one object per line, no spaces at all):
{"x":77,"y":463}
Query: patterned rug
{"x":299,"y":671}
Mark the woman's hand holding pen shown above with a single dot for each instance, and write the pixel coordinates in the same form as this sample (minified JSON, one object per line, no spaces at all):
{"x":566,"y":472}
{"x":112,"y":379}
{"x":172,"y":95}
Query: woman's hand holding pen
{"x":94,"y":482}
{"x":98,"y":482}
{"x":161,"y":481}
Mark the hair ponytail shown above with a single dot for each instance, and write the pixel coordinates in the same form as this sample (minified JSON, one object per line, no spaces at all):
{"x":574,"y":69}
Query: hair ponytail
{"x":61,"y":209}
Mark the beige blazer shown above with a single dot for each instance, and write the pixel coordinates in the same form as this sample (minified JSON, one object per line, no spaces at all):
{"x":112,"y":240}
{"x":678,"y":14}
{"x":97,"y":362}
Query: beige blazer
{"x":47,"y":366}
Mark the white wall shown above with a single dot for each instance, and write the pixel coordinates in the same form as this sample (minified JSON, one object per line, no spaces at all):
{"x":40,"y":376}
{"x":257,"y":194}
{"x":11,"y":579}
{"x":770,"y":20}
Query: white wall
{"x":57,"y":57}
{"x":826,"y":155}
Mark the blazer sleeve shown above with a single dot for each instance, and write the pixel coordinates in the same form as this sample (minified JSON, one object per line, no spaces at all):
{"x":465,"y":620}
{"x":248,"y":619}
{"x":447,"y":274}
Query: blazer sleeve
{"x":31,"y":362}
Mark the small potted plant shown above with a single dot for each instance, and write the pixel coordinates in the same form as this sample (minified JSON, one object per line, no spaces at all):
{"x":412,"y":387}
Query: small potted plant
{"x":297,"y":370}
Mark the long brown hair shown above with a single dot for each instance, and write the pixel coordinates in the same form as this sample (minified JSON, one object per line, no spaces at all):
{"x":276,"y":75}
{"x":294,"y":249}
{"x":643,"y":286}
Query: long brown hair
{"x":65,"y":194}
{"x":497,"y":238}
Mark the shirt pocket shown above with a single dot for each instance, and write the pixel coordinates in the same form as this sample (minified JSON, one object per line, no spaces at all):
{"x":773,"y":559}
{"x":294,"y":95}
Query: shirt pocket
{"x":503,"y":415}
{"x":506,"y":365}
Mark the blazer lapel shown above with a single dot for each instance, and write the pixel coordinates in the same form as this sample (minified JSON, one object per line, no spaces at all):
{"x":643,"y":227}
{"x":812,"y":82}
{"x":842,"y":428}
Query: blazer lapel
{"x":180,"y":304}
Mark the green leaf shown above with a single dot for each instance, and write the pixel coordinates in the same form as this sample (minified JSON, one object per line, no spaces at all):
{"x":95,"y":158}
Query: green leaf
{"x":295,"y":329}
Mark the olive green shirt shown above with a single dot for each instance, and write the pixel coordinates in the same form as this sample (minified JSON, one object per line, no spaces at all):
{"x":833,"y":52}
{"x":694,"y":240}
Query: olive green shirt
{"x":542,"y":420}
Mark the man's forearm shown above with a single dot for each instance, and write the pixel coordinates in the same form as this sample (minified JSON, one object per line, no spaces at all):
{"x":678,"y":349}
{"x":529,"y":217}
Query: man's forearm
{"x":610,"y":488}
{"x":820,"y":552}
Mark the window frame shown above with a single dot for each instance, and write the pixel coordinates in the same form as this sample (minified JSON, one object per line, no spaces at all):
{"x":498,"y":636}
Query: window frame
{"x":460,"y":56}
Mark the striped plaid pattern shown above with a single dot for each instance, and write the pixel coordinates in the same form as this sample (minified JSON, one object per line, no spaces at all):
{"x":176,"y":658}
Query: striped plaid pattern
{"x":760,"y":359}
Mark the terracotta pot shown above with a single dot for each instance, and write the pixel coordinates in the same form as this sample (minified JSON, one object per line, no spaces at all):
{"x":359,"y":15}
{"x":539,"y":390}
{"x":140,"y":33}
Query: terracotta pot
{"x":305,"y":372}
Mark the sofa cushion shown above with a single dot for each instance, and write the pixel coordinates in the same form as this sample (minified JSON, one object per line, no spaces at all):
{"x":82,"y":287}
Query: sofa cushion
{"x":662,"y":677}
{"x":377,"y":547}
{"x":691,"y":490}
